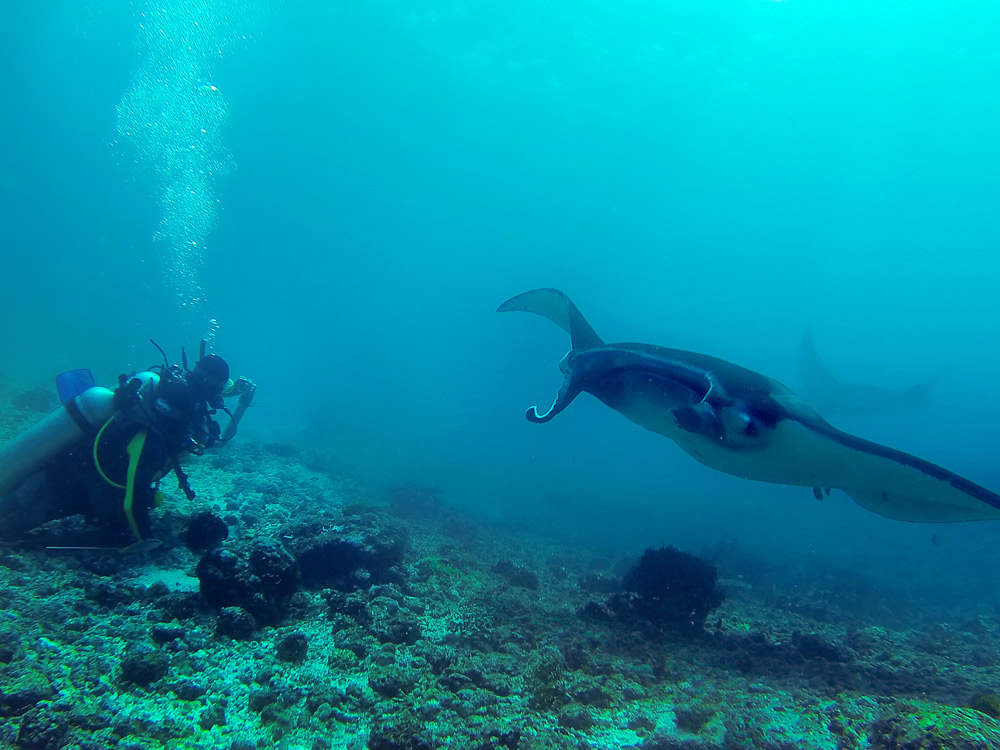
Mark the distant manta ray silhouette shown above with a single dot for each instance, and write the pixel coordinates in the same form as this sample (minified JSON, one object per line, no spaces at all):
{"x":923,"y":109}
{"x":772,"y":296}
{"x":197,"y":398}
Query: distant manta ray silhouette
{"x":828,"y":395}
{"x":742,"y":423}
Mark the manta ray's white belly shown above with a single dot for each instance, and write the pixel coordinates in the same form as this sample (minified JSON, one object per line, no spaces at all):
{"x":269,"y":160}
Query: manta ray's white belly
{"x":790,"y":454}
{"x":887,"y":482}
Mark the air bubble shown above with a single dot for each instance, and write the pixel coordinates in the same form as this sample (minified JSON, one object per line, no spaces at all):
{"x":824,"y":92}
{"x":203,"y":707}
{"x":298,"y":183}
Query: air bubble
{"x":174,"y":118}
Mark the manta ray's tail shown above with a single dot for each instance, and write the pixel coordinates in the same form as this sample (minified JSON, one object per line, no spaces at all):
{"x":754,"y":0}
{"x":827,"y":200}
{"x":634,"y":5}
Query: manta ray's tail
{"x":828,"y":394}
{"x":815,"y":375}
{"x":919,"y":394}
{"x":557,"y":307}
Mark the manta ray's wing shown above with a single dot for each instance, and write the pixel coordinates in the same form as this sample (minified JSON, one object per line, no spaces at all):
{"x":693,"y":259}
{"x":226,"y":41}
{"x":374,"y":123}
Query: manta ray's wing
{"x":802,"y":449}
{"x":557,"y":307}
{"x":894,"y":483}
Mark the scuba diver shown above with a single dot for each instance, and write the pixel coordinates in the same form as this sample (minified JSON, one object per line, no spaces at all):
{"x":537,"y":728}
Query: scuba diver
{"x":103,"y":453}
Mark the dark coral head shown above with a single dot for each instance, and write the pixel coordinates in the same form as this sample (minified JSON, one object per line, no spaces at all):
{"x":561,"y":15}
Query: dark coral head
{"x":671,"y":590}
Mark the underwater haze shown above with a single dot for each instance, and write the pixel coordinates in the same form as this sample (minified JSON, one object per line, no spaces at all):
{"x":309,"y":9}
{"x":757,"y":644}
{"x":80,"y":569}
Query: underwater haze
{"x":340,"y":194}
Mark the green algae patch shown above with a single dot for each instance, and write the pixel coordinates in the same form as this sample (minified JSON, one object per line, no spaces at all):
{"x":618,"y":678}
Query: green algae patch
{"x":987,"y":703}
{"x":930,"y":726}
{"x":23,"y":692}
{"x":446,"y":575}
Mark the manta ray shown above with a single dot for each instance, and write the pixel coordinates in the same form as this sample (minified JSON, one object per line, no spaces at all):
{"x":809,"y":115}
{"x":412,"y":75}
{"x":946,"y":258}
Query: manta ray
{"x":745,"y":424}
{"x":832,"y":396}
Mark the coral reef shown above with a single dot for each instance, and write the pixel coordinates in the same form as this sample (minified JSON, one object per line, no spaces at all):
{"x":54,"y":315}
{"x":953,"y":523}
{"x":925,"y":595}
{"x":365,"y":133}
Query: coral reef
{"x":354,"y":554}
{"x":260,"y":578}
{"x":325,"y":618}
{"x":205,"y":531}
{"x":668,"y":590}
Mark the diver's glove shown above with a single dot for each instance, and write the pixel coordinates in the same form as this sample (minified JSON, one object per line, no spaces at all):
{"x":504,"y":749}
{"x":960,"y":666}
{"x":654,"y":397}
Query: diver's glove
{"x":126,"y":395}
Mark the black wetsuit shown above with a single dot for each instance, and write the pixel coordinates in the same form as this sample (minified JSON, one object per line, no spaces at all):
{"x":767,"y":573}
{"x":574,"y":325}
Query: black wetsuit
{"x":178,"y":419}
{"x":69,"y":484}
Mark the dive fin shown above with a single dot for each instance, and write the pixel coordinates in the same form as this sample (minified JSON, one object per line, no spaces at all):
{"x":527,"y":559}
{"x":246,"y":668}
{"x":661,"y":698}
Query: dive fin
{"x":71,"y":384}
{"x":557,"y":307}
{"x":141,"y":546}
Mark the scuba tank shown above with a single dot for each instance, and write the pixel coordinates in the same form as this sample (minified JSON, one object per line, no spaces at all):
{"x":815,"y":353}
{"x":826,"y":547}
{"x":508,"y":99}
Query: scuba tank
{"x":78,"y":417}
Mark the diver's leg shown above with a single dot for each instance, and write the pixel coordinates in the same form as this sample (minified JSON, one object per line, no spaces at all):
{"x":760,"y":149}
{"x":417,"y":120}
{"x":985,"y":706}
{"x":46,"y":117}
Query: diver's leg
{"x":35,"y":501}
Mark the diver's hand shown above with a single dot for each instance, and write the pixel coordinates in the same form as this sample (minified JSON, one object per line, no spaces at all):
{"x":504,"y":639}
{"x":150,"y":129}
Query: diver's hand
{"x":246,"y":388}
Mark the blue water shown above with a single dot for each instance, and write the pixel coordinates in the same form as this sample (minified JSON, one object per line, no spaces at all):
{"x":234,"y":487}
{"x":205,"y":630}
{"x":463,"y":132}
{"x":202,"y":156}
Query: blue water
{"x":714,"y":176}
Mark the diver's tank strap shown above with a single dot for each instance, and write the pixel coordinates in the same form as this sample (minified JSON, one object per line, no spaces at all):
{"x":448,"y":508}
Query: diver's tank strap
{"x":135,"y":446}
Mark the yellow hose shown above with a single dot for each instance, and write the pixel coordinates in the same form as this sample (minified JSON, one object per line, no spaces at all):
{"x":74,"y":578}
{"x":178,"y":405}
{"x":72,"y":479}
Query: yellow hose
{"x":97,"y":462}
